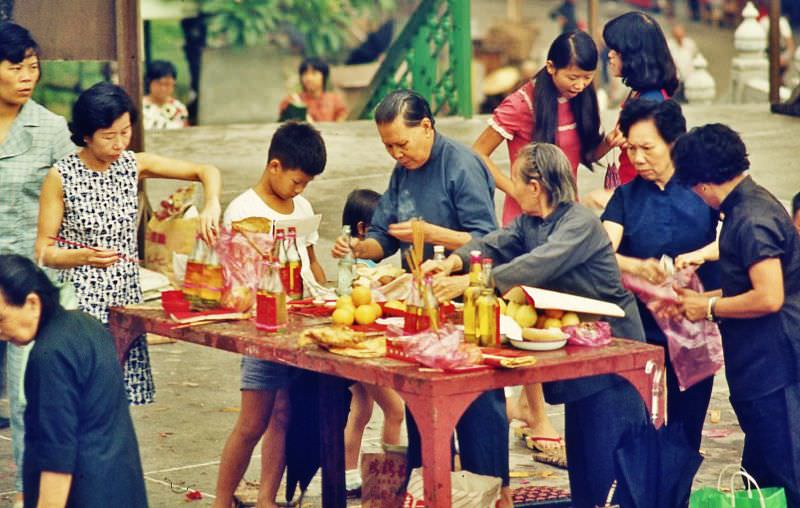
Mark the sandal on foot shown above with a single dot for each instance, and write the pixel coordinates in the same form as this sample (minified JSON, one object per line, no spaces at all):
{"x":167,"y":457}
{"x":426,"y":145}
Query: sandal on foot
{"x":537,"y":443}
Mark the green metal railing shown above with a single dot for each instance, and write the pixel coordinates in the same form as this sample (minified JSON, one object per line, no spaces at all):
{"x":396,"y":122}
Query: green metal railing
{"x":433,"y":56}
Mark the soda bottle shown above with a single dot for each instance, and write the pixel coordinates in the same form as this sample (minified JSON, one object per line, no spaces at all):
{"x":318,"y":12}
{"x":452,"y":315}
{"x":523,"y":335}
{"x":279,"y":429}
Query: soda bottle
{"x":431,"y":304}
{"x":212,"y":283}
{"x":344,"y":277}
{"x":488,"y":310}
{"x":279,"y":256}
{"x":193,"y":278}
{"x":471,"y":296}
{"x":271,"y":311}
{"x":295,"y":288}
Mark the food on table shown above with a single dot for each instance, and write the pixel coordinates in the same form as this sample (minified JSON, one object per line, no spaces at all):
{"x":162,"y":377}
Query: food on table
{"x":365,"y":314}
{"x":511,"y":308}
{"x":343,"y":316}
{"x":554,"y":313}
{"x":332,"y":336}
{"x":552,"y":323}
{"x":371,"y":348}
{"x":570,"y":319}
{"x":543,"y":334}
{"x":378,"y":309}
{"x":361,"y":295}
{"x":345,"y":301}
{"x":517,"y":295}
{"x":503,"y":306}
{"x":252,"y":225}
{"x":540,"y":321}
{"x":525,"y":316}
{"x":396,"y":305}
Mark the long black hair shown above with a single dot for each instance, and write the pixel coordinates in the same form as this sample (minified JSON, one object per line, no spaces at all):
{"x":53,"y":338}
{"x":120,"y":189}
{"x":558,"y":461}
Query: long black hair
{"x":570,"y":48}
{"x":646,"y":61}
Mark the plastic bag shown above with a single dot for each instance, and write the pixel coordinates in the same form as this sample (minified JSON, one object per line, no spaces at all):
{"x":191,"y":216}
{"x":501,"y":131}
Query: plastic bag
{"x":612,"y":179}
{"x":752,"y":496}
{"x":591,"y":334}
{"x":468,"y":490}
{"x":695,"y":347}
{"x":241,"y":267}
{"x":442,"y":349}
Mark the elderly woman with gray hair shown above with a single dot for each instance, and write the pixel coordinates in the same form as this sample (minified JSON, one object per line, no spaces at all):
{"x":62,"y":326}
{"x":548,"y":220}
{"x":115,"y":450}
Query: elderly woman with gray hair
{"x":560,"y":245}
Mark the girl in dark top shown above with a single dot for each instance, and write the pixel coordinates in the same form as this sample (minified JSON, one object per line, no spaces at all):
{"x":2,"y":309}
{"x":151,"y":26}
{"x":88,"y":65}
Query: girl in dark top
{"x":758,"y":306}
{"x":652,"y":216}
{"x":80,"y":446}
{"x":639,"y":54}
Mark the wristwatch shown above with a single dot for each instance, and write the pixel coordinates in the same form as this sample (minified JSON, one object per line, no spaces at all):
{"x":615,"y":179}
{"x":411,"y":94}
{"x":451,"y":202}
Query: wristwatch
{"x":712,"y":303}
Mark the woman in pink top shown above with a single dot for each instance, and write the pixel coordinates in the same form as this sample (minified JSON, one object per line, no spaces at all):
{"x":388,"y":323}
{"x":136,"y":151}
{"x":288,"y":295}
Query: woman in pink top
{"x":321,"y":105}
{"x":558,"y":106}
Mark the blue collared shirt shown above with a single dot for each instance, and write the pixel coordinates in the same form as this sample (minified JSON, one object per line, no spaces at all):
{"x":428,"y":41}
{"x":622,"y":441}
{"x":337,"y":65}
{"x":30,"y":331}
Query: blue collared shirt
{"x":660,"y":222}
{"x":454,"y":189}
{"x":37,"y":139}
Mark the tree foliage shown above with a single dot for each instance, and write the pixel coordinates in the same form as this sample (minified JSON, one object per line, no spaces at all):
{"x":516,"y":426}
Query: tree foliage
{"x":322,"y":24}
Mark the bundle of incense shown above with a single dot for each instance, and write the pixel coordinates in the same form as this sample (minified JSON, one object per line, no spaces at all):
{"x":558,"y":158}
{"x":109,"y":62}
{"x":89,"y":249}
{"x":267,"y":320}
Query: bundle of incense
{"x":84,"y":246}
{"x":418,"y":239}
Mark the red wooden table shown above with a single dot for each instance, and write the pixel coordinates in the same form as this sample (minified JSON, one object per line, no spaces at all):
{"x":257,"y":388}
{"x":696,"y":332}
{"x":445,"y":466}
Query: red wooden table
{"x":436,"y":399}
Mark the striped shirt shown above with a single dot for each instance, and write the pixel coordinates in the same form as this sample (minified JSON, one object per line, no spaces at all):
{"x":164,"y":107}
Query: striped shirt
{"x":37,"y":139}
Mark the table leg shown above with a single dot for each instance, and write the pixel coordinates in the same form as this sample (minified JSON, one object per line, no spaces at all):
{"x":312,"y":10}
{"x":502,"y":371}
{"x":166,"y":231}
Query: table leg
{"x":650,"y":385}
{"x":333,"y":415}
{"x":436,"y":418}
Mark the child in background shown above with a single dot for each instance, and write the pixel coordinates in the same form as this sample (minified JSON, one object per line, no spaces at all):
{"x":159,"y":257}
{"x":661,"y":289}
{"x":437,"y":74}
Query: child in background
{"x":296,"y":155}
{"x":357,"y":213}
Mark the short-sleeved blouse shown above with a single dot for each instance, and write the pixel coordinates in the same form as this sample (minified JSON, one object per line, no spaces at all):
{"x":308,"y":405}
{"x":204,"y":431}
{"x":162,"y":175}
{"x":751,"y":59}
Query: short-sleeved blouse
{"x":328,"y":107}
{"x":513,"y":119}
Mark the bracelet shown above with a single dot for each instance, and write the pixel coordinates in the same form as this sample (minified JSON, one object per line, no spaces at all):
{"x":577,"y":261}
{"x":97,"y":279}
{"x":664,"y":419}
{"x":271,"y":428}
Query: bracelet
{"x":712,"y":303}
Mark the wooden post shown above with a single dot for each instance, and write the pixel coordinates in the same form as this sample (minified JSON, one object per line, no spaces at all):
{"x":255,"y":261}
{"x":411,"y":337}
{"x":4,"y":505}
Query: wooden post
{"x":774,"y":38}
{"x":128,"y":37}
{"x":594,"y":20}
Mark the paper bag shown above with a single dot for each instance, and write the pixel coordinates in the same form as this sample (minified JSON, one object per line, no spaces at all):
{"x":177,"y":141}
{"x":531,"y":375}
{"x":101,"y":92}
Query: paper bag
{"x":469,"y":490}
{"x":163,"y":238}
{"x":383,"y":475}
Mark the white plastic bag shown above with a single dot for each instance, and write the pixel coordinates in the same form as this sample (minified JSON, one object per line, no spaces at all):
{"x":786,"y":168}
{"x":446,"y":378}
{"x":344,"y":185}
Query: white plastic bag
{"x":469,"y":490}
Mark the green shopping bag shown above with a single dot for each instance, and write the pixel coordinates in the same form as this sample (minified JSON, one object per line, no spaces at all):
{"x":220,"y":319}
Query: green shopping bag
{"x":751,"y":497}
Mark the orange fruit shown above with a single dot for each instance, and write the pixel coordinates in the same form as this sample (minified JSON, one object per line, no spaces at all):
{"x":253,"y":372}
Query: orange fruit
{"x":361,"y":295}
{"x":343,"y":316}
{"x":365,"y":314}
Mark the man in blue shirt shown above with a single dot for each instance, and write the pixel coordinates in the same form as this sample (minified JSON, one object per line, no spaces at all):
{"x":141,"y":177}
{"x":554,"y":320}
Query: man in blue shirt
{"x":448,"y":186}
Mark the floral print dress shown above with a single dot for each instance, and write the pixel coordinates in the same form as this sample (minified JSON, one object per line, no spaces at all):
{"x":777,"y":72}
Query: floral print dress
{"x":100,"y":210}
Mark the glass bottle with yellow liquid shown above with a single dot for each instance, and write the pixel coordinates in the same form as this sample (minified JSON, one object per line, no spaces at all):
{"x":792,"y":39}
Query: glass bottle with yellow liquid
{"x":193,"y":277}
{"x":471,"y":296}
{"x":488,"y":310}
{"x":212,"y":283}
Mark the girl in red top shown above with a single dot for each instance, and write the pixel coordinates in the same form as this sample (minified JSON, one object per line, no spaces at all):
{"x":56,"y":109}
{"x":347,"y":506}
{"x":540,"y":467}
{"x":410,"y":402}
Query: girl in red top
{"x":321,"y":105}
{"x":557,"y":106}
{"x":638,"y":53}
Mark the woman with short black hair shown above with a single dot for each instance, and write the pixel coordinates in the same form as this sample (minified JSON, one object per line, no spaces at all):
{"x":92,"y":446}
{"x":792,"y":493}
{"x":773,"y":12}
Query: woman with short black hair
{"x":80,"y":445}
{"x":758,"y":307}
{"x":160,"y":109}
{"x":654,"y":216}
{"x":88,"y":213}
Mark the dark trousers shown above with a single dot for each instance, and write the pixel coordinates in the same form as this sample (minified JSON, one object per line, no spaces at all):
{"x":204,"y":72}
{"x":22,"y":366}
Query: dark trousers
{"x":594,"y":426}
{"x":689,"y":407}
{"x":482,"y":437}
{"x":771,"y":426}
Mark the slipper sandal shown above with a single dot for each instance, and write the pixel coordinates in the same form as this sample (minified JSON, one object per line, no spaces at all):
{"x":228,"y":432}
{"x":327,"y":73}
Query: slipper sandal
{"x":551,"y":459}
{"x":535,"y":443}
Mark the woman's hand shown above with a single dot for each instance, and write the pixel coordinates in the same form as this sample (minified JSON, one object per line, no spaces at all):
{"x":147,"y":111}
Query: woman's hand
{"x":694,"y":305}
{"x":447,"y":288}
{"x":694,"y":258}
{"x":341,"y":248}
{"x":650,"y":270}
{"x":438,"y":268}
{"x":614,"y":138}
{"x":209,"y":221}
{"x":404,"y":231}
{"x":98,"y":258}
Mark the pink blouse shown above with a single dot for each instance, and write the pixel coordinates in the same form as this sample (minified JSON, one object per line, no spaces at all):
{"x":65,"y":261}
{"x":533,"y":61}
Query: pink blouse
{"x":514,"y":120}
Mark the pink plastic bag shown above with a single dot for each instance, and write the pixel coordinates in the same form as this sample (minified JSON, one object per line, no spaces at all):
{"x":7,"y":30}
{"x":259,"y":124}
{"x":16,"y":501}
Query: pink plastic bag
{"x":441,"y":350}
{"x":695,"y":348}
{"x":591,"y":334}
{"x":241,"y":267}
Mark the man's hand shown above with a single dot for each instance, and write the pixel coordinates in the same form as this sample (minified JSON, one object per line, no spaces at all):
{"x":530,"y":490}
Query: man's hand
{"x":447,"y":288}
{"x":694,"y":305}
{"x":650,"y":270}
{"x":404,"y":231}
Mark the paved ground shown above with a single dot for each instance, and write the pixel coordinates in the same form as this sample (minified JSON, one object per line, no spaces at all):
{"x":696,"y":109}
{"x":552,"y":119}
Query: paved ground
{"x":181,"y":436}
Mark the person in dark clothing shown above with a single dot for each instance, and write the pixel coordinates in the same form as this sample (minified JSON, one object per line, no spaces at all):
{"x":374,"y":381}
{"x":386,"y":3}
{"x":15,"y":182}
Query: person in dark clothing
{"x":80,"y":446}
{"x":564,"y":14}
{"x":560,"y":245}
{"x":758,"y":306}
{"x":652,"y":216}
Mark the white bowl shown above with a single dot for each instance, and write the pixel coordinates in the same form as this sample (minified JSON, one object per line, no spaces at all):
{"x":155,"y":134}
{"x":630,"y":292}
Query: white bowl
{"x":538,"y":346}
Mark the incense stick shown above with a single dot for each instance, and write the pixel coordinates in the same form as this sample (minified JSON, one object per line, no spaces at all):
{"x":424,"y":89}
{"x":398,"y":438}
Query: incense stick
{"x":95,"y":249}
